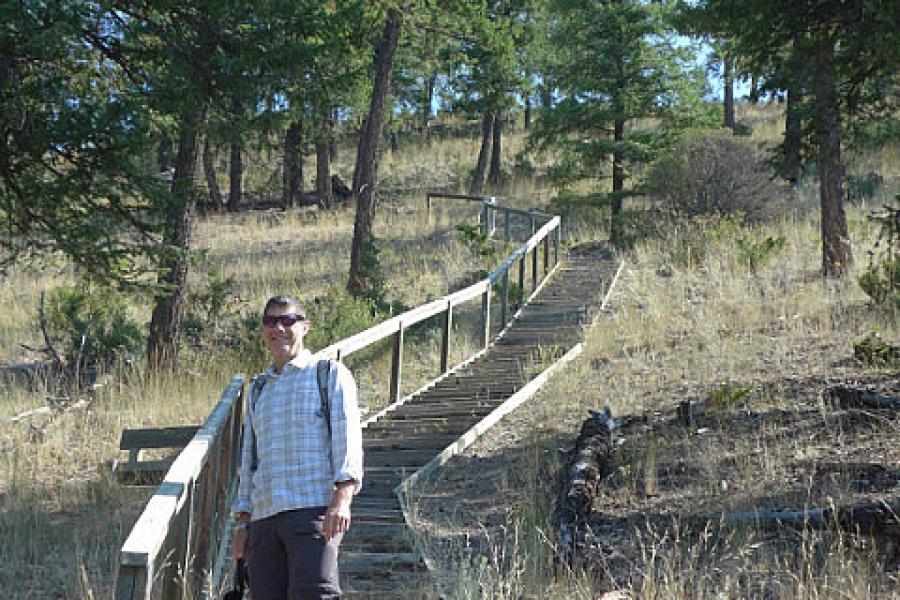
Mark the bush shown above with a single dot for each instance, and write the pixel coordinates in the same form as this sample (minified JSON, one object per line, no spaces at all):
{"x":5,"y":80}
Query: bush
{"x":709,"y":173}
{"x":90,"y":329}
{"x":881,"y":279}
{"x":337,"y":315}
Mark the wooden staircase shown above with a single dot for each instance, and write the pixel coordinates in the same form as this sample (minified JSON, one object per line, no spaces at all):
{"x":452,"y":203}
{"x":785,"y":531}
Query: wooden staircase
{"x":378,"y":557}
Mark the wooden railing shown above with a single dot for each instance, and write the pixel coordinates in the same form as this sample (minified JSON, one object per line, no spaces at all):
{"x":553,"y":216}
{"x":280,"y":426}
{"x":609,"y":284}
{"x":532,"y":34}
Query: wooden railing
{"x":540,"y":240}
{"x":175,"y":549}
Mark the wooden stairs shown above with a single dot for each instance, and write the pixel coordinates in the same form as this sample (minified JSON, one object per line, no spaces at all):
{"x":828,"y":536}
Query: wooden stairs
{"x":378,"y":556}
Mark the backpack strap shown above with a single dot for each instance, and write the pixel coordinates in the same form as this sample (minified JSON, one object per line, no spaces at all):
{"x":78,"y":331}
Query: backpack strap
{"x":323,"y":370}
{"x":255,"y":390}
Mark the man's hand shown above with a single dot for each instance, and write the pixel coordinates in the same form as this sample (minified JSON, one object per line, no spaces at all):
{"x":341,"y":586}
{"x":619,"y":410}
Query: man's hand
{"x":337,"y":516}
{"x":241,"y":537}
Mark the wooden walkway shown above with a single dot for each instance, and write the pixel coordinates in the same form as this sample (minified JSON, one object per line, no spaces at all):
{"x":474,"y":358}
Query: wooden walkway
{"x":378,"y":556}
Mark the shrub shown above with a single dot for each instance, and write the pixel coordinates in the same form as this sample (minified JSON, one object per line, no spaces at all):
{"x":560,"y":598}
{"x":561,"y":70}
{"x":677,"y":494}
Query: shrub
{"x":756,"y":254}
{"x":337,"y":315}
{"x":710,"y":173}
{"x":211,"y":310}
{"x":881,"y":279}
{"x":90,"y":328}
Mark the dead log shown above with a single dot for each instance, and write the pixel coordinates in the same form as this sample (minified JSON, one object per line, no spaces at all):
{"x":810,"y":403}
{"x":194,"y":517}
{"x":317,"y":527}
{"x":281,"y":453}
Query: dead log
{"x":590,"y":462}
{"x":876,"y":519}
{"x":847,"y":397}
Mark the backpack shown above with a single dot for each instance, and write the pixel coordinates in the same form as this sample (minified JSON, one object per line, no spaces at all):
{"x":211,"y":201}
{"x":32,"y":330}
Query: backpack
{"x":323,"y":368}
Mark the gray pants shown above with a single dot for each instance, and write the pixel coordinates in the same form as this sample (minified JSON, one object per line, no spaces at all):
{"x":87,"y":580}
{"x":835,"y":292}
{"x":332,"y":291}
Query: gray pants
{"x":289,"y":559}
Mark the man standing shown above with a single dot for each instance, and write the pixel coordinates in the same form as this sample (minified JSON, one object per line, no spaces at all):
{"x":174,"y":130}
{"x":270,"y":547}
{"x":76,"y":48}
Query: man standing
{"x":301,"y":464}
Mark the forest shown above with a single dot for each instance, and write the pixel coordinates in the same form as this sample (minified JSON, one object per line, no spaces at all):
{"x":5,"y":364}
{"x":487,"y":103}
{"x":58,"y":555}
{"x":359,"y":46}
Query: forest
{"x":167,"y":166}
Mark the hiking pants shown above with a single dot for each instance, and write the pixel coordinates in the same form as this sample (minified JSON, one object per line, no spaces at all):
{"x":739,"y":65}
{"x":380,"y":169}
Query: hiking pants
{"x":289,"y":559}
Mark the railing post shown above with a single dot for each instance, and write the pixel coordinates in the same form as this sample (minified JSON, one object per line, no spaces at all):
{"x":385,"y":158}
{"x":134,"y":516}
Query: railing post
{"x":534,"y":268}
{"x":486,"y":316}
{"x":396,"y":365}
{"x":445,"y":340}
{"x":522,"y":278}
{"x":504,"y":299}
{"x":482,"y":219}
{"x":428,"y":206}
{"x":489,"y":216}
{"x":546,"y":255}
{"x":531,"y":223}
{"x":556,"y":244}
{"x":506,"y":214}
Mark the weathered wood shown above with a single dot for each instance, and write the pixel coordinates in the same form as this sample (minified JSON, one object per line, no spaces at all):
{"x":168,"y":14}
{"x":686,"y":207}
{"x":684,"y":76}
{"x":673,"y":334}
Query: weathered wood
{"x":445,"y":338}
{"x":157,"y":437}
{"x":168,"y":537}
{"x":877,"y":519}
{"x":396,"y":365}
{"x":847,"y":397}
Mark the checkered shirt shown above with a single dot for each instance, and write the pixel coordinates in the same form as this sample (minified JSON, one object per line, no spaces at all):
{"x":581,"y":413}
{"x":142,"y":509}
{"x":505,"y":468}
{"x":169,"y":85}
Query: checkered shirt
{"x":296,"y":465}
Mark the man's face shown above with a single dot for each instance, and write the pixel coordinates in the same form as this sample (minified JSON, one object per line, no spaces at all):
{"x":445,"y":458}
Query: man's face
{"x":284,"y":341}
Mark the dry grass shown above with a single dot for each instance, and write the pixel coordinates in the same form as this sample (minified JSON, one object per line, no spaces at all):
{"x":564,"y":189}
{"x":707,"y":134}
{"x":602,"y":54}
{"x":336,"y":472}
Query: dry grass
{"x":63,"y":520}
{"x":775,"y":337}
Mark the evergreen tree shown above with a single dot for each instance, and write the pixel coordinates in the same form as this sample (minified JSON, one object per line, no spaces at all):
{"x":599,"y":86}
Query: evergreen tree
{"x":614,"y":65}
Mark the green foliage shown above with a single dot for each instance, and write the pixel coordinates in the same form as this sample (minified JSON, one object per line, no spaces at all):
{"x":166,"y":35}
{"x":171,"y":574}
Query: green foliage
{"x":478,"y":242}
{"x":728,"y":396}
{"x":872,"y":350}
{"x":211,"y":311}
{"x":881,"y":279}
{"x":756,"y":254}
{"x":707,"y":173}
{"x":337,"y":315}
{"x":91,"y":326}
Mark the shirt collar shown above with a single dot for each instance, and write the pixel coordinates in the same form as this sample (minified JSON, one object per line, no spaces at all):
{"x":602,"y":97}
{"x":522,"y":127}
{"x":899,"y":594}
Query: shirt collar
{"x":303,"y":359}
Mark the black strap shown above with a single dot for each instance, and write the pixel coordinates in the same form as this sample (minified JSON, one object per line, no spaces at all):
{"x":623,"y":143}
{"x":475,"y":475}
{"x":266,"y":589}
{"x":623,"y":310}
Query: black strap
{"x":323,"y":370}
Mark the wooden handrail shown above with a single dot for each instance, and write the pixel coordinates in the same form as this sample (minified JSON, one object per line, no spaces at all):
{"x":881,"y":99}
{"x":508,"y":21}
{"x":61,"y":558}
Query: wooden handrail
{"x":173,"y":546}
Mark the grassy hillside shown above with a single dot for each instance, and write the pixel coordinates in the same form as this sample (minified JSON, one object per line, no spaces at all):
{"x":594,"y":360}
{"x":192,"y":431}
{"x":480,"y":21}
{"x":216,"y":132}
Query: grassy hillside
{"x":678,"y":329}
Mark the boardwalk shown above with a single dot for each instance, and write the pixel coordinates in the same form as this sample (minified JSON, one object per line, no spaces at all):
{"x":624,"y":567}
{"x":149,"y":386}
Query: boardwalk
{"x":378,"y":557}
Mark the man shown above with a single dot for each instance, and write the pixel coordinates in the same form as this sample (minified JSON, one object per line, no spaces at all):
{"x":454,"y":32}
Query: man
{"x":297,"y":478}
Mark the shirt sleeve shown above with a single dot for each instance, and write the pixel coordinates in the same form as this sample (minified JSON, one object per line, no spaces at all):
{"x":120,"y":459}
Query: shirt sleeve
{"x":242,"y":502}
{"x":346,"y":429}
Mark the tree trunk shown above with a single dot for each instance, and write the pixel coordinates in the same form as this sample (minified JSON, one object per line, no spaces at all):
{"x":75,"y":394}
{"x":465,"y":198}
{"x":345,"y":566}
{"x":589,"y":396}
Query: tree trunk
{"x":495,"y":173}
{"x":546,"y":97}
{"x":236,"y":167}
{"x":754,"y":90}
{"x":836,"y":254}
{"x":428,"y":100}
{"x":332,"y":146}
{"x":323,"y":160}
{"x":292,"y":166}
{"x":729,"y":93}
{"x":209,"y":170}
{"x":362,"y":254}
{"x":527,"y":111}
{"x":165,"y":322}
{"x":618,"y":171}
{"x":487,"y":132}
{"x":793,"y":132}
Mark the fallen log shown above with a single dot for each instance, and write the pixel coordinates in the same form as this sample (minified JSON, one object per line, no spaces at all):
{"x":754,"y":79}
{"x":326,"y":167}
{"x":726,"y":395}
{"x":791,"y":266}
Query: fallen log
{"x":589,"y":463}
{"x":876,"y":519}
{"x":847,"y":397}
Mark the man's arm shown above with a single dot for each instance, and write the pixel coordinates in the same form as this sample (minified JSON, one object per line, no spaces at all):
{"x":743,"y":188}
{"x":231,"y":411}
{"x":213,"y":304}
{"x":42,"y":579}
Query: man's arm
{"x":346,"y":451}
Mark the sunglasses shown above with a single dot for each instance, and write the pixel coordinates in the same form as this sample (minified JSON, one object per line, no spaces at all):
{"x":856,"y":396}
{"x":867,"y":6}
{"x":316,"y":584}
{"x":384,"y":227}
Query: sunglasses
{"x":288,"y":320}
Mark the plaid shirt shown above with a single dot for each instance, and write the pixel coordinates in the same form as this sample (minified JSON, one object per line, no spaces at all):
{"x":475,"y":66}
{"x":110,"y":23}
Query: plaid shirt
{"x":297,"y":467}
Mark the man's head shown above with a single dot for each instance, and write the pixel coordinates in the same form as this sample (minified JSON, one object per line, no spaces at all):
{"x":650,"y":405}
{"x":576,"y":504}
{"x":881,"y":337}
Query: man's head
{"x":283,"y":327}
